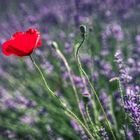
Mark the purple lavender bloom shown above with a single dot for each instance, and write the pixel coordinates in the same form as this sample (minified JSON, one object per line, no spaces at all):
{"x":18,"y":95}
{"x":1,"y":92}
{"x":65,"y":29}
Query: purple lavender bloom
{"x":95,"y":76}
{"x":29,"y":118}
{"x":65,"y":75}
{"x":117,"y":99}
{"x":67,"y":48}
{"x":42,"y":111}
{"x":130,"y":135}
{"x":47,"y":66}
{"x":10,"y":103}
{"x":78,"y":82}
{"x":103,"y":134}
{"x":106,"y":69}
{"x":131,"y":98}
{"x":137,"y":38}
{"x":26,"y":119}
{"x":106,"y":105}
{"x":50,"y":132}
{"x":117,"y":32}
{"x":64,"y":72}
{"x":81,"y":104}
{"x":75,"y":125}
{"x":132,"y":107}
{"x":86,"y":60}
{"x":78,"y":129}
{"x":124,"y":76}
{"x":9,"y":134}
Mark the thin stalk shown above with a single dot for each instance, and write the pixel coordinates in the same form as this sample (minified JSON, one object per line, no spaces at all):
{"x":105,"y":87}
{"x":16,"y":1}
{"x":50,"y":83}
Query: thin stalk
{"x":72,"y":82}
{"x":42,"y":76}
{"x":92,"y":124}
{"x":67,"y":111}
{"x":121,"y":91}
{"x":89,"y":118}
{"x":73,"y":116}
{"x":83,"y":72}
{"x":114,"y":118}
{"x":84,"y":81}
{"x":122,"y":100}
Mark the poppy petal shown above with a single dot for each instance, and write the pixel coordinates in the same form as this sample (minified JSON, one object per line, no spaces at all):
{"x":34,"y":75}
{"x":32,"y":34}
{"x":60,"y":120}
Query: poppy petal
{"x":22,"y":43}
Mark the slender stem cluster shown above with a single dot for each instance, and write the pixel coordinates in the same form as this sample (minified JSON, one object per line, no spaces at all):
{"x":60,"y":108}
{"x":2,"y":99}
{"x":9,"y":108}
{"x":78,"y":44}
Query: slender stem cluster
{"x":67,"y":111}
{"x":93,"y":90}
{"x":54,"y":45}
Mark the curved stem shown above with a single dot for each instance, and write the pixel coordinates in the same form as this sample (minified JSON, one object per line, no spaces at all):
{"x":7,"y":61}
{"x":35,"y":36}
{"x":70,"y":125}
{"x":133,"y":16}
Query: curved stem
{"x":83,"y":72}
{"x":73,"y":116}
{"x":89,"y":118}
{"x":69,"y":112}
{"x":72,"y":82}
{"x":42,"y":76}
{"x":77,"y":51}
{"x":84,"y":81}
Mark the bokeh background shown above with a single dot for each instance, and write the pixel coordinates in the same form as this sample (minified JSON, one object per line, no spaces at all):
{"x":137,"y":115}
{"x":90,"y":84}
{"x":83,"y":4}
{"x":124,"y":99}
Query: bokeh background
{"x":26,"y":110}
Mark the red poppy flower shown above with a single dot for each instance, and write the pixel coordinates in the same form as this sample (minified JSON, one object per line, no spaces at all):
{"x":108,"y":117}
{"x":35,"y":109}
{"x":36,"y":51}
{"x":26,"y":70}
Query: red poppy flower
{"x":22,"y":43}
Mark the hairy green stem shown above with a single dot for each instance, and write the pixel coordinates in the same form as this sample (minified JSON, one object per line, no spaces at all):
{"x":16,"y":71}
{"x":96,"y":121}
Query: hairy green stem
{"x":89,"y":118}
{"x":72,"y":82}
{"x":84,"y":81}
{"x":122,"y":100}
{"x":67,"y":111}
{"x":73,"y":116}
{"x":84,"y":73}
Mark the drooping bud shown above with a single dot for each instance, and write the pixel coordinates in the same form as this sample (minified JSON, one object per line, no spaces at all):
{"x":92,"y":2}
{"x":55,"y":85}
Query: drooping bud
{"x":54,"y":45}
{"x":83,"y":29}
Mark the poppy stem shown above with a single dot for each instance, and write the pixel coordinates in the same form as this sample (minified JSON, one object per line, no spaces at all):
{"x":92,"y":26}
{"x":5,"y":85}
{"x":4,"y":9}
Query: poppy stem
{"x":82,"y":71}
{"x":60,"y":54}
{"x":42,"y":76}
{"x":67,"y":111}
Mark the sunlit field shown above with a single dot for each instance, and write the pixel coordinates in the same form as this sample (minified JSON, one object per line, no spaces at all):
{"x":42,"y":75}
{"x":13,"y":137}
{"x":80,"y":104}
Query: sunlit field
{"x":70,"y":70}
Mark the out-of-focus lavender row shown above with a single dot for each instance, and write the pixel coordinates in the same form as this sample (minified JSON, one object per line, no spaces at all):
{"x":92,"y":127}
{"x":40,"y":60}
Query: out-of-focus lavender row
{"x":111,"y":50}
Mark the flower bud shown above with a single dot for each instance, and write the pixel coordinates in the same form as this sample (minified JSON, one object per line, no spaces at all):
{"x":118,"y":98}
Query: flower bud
{"x":85,"y":97}
{"x":83,"y":29}
{"x":54,"y":45}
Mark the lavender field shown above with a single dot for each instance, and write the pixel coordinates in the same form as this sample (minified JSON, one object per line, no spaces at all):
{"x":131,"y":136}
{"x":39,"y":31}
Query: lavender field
{"x":70,"y":70}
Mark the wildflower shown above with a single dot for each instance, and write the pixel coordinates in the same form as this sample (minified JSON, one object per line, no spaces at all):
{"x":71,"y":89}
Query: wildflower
{"x":124,"y":76}
{"x":78,"y":129}
{"x":130,"y":135}
{"x":137,"y":38}
{"x":22,"y":43}
{"x":131,"y":106}
{"x":106,"y":105}
{"x":103,"y":134}
{"x":117,"y":32}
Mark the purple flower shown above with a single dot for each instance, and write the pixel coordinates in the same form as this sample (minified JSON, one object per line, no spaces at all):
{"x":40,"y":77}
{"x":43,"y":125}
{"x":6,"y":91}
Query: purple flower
{"x":132,"y":107}
{"x":130,"y":135}
{"x":48,"y":67}
{"x":81,"y":104}
{"x":106,"y":105}
{"x":117,"y":100}
{"x":78,"y":82}
{"x":123,"y":73}
{"x":137,"y":38}
{"x":103,"y":134}
{"x":10,"y":103}
{"x":29,"y":118}
{"x":9,"y":134}
{"x":78,"y":129}
{"x":117,"y":31}
{"x":67,"y":48}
